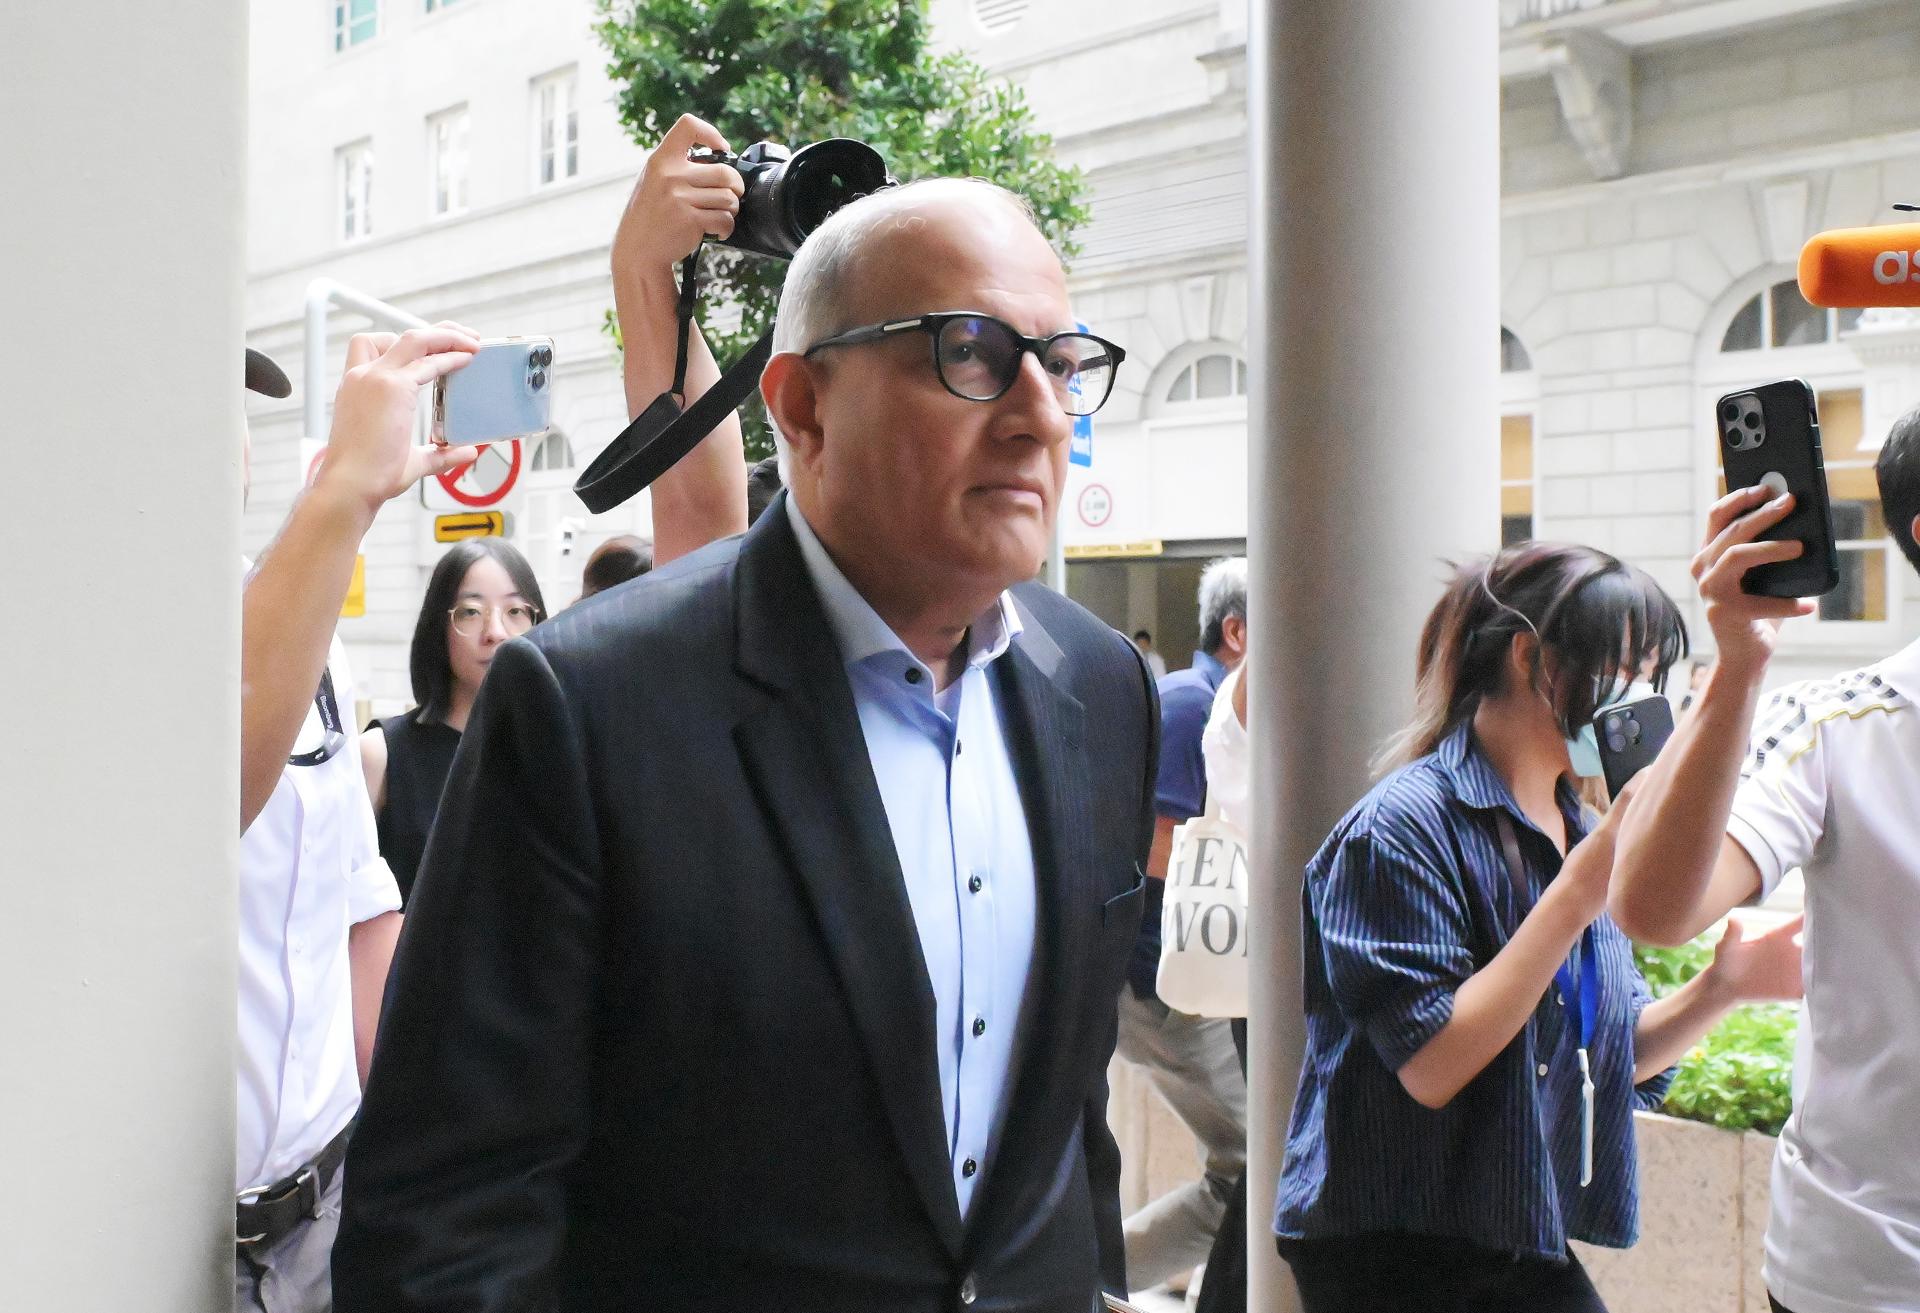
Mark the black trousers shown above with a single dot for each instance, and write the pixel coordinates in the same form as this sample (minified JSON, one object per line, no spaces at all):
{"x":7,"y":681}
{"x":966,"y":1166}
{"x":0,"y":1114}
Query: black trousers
{"x":1424,"y":1274}
{"x":1778,"y":1307}
{"x":1225,"y":1288}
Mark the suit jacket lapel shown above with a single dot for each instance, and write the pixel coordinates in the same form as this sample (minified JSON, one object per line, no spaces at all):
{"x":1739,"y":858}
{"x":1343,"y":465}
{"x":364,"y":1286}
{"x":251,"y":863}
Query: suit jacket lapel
{"x":1045,"y":732}
{"x":806,"y":755}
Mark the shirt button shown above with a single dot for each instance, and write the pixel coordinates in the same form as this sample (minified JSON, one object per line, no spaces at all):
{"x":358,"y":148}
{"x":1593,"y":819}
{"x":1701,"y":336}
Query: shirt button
{"x":1543,"y":1071}
{"x":968,"y":1168}
{"x":969,"y":1290}
{"x":913,"y":674}
{"x":973,"y":884}
{"x":979,"y":1026}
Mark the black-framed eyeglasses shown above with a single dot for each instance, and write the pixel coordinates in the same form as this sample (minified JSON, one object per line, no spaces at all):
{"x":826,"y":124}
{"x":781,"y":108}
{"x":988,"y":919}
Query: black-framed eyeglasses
{"x":334,"y":729}
{"x":978,"y":356}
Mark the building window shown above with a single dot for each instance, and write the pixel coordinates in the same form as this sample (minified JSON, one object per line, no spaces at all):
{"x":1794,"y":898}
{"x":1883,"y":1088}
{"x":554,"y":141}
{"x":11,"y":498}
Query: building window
{"x":1516,"y":479}
{"x":552,"y":452}
{"x":354,"y":21}
{"x":1513,"y":354}
{"x":1780,"y":317}
{"x":354,"y":170}
{"x":1213,"y":377}
{"x":556,"y":100}
{"x":447,"y":153}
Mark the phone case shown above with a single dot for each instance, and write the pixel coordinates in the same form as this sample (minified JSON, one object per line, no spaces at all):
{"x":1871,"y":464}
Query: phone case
{"x":1771,"y":434}
{"x":505,"y":391}
{"x":1631,"y":736}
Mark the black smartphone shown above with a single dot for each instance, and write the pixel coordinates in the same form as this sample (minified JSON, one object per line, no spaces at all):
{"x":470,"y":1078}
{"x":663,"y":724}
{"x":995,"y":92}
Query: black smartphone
{"x":1631,"y":736}
{"x":1770,"y":435}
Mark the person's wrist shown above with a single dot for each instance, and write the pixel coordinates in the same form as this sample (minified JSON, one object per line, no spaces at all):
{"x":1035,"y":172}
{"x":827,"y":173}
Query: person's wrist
{"x":645,"y":276}
{"x":338,"y":492}
{"x":1719,"y":986}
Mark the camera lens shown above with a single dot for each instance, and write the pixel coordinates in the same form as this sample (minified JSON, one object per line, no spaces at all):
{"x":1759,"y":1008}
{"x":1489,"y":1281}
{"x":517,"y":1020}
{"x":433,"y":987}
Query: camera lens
{"x":1736,"y":440}
{"x":1730,"y":412}
{"x":542,"y":356}
{"x":1751,"y":419}
{"x":538,"y":379}
{"x":1633,"y":731}
{"x":1617,"y":741}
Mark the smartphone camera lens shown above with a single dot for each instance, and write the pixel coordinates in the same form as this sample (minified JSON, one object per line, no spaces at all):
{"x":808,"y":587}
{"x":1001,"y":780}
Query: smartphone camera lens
{"x":1633,"y":731}
{"x":542,"y":356}
{"x":1751,"y":419}
{"x":1617,"y":741}
{"x":538,"y":379}
{"x":1730,"y":412}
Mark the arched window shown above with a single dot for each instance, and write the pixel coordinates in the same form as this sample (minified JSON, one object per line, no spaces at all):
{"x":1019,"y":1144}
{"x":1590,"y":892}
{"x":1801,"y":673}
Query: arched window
{"x":1518,"y":396}
{"x":551,"y":451}
{"x":1780,"y":317}
{"x":1214,"y":377}
{"x":1776,"y":333}
{"x":1513,"y":354}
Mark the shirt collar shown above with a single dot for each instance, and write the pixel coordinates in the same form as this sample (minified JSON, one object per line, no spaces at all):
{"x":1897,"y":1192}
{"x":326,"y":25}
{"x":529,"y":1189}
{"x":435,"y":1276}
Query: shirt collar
{"x":1902,"y":670}
{"x":1478,"y":785}
{"x":863,"y":635}
{"x":1210,"y":670}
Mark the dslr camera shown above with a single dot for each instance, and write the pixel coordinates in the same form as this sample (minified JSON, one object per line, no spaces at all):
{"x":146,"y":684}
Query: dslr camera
{"x":790,"y":193}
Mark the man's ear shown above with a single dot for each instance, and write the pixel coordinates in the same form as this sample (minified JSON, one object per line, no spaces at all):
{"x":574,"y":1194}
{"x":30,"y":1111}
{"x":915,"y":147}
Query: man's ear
{"x":787,"y":387}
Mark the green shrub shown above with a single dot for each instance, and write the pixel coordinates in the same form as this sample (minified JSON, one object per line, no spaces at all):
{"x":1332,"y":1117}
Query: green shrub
{"x":1740,"y":1077}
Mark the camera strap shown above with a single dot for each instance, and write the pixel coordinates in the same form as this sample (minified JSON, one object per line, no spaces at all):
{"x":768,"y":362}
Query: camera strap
{"x":668,"y":429}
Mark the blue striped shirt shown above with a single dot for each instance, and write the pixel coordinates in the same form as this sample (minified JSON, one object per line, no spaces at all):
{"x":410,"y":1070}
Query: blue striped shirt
{"x":1407,"y":898}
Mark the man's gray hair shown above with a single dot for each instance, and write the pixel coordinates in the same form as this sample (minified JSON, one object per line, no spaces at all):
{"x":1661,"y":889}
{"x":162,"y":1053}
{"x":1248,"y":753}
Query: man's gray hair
{"x":813,"y":298}
{"x":1223,"y":593}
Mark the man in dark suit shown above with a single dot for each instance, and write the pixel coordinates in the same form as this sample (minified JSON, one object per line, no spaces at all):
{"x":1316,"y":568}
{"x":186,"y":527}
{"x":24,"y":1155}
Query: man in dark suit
{"x":765,"y":953}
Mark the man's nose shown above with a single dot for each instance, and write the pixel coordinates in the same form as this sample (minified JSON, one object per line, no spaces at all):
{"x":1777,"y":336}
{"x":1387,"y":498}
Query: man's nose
{"x":1033,"y":391}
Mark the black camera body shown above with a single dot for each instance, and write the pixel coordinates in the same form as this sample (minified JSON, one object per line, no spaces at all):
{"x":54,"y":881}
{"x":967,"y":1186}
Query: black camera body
{"x":790,"y":193}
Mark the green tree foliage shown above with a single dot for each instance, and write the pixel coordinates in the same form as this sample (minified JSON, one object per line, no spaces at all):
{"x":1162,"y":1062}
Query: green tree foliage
{"x":1740,"y":1077}
{"x":798,"y":71}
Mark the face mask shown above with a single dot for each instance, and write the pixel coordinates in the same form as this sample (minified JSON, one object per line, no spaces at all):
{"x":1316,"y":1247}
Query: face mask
{"x":1583,"y":749}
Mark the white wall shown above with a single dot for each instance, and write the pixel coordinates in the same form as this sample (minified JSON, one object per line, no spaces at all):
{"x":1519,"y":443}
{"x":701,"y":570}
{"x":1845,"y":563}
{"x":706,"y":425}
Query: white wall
{"x":119,"y":252}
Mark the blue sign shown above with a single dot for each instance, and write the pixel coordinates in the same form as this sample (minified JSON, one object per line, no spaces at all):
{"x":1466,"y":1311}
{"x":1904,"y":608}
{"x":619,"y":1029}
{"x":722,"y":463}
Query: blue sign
{"x":1080,"y":446}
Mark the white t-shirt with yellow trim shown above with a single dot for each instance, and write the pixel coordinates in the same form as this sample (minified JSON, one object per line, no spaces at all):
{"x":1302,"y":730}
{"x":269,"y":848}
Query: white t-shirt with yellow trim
{"x":1832,"y":786}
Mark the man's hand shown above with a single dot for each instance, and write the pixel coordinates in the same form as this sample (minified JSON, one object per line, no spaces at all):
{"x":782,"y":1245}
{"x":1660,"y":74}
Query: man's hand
{"x":1588,"y":869}
{"x":371,"y":456}
{"x":1745,"y":626}
{"x":1759,"y":968}
{"x":676,"y":203}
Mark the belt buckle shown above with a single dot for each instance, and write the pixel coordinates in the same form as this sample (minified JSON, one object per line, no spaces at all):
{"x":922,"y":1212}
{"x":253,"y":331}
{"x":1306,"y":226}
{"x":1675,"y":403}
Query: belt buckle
{"x":305,"y":1184}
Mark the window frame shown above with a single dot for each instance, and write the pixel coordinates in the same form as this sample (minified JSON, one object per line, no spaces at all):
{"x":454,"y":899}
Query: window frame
{"x":1520,"y":398}
{"x":564,"y":84}
{"x":345,"y":158}
{"x":1829,"y":366}
{"x":1184,"y":363}
{"x":344,"y":42}
{"x":459,"y":120}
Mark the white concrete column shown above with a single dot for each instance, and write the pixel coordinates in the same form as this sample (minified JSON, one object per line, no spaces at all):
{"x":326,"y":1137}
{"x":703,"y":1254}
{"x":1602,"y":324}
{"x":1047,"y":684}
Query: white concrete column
{"x":121,"y":254}
{"x":1374,"y":131}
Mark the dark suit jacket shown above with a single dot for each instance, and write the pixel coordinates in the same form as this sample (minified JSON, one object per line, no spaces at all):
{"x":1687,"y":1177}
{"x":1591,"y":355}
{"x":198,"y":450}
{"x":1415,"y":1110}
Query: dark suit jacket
{"x":660,"y":1035}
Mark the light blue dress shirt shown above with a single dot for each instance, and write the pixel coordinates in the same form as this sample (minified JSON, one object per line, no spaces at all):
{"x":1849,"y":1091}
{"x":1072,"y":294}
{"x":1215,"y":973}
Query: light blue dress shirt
{"x":953,"y":805}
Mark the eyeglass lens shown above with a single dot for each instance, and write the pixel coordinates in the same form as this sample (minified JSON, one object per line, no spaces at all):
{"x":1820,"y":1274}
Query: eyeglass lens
{"x":470,"y":618}
{"x":980,"y":357}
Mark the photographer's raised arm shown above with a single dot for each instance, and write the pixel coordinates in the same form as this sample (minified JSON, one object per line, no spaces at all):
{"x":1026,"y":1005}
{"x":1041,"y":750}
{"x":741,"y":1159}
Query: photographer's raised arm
{"x":1677,"y":871}
{"x":291,"y":601}
{"x":675,"y":204}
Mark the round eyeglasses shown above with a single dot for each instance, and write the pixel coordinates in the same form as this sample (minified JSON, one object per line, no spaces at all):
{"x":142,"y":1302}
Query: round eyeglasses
{"x":470,"y":618}
{"x":978,"y":357}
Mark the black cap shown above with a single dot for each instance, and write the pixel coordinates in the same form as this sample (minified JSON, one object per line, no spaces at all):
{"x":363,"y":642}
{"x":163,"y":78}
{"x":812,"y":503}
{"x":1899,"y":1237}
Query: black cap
{"x":265,"y":377}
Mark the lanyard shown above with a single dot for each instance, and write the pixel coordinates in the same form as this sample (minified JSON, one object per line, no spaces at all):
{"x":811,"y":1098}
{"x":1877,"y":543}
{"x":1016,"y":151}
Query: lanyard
{"x":1578,"y":981}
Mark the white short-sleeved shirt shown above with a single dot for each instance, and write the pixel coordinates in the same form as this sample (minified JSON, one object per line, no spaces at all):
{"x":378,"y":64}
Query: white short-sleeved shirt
{"x":1832,"y":785}
{"x":310,"y":870}
{"x":1229,"y":757}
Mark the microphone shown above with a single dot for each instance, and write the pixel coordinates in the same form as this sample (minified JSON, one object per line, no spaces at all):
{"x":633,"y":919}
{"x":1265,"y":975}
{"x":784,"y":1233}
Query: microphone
{"x":1860,"y":268}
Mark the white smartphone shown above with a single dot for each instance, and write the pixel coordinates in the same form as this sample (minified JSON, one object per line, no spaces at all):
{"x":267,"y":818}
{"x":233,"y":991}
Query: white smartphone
{"x":505,"y":391}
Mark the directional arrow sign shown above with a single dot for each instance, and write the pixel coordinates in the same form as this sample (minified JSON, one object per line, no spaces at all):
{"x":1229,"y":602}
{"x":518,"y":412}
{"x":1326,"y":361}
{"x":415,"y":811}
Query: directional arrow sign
{"x":469,"y":524}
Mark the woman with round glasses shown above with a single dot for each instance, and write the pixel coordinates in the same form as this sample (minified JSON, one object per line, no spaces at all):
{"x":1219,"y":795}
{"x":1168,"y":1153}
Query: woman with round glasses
{"x":481,"y":594}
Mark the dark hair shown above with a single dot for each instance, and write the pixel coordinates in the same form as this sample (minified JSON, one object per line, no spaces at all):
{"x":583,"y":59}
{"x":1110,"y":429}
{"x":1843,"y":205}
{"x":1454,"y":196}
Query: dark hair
{"x":614,"y":562}
{"x":1139,"y":634}
{"x":763,"y":485}
{"x":428,"y":663}
{"x":1593,"y":613}
{"x":1898,"y":470}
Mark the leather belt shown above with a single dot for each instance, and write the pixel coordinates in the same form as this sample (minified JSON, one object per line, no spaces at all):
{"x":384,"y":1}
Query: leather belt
{"x":267,"y":1214}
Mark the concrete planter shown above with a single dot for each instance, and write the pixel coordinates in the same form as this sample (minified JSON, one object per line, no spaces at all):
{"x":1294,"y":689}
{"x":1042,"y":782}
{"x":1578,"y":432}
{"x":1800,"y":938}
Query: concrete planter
{"x":1703,"y":1215}
{"x":1703,"y":1203}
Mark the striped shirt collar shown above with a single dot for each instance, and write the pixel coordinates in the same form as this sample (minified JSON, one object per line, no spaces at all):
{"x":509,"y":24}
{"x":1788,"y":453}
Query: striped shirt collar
{"x":1477,"y":784}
